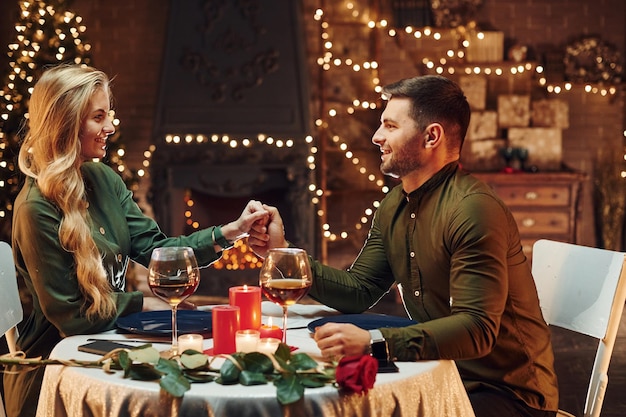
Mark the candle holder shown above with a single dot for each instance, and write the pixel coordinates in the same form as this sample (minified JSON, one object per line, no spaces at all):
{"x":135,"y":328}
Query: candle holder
{"x":271,"y":330}
{"x":247,"y":340}
{"x":268,"y":345}
{"x":190,"y":342}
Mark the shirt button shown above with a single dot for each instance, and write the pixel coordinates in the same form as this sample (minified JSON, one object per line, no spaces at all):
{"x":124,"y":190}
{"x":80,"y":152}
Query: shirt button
{"x":412,"y":215}
{"x":412,"y":254}
{"x":101,"y":230}
{"x":417,"y":293}
{"x":119,"y":257}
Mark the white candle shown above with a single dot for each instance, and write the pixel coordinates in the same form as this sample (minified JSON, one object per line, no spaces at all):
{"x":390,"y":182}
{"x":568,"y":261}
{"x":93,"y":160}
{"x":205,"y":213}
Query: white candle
{"x":190,"y":341}
{"x":268,"y":345}
{"x":246,"y":340}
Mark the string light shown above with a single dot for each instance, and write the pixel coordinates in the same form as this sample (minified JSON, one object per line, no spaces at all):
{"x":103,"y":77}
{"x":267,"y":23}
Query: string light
{"x":44,"y":36}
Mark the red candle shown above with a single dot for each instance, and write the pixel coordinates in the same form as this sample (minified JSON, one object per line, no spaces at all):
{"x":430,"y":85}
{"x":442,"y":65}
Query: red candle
{"x":248,"y":299}
{"x":270,"y":331}
{"x":225,"y":325}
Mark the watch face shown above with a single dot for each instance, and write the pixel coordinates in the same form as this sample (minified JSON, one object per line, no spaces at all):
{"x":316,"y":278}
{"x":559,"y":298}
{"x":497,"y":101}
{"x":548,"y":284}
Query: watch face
{"x":380,"y":351}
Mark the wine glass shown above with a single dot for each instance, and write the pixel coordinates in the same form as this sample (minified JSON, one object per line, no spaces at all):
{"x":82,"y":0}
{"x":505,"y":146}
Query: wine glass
{"x":285,"y":278}
{"x":173,"y":276}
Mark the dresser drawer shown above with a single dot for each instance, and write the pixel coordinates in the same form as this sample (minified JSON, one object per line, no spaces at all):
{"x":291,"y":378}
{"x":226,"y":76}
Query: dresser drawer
{"x":534,"y":195}
{"x":542,"y":222}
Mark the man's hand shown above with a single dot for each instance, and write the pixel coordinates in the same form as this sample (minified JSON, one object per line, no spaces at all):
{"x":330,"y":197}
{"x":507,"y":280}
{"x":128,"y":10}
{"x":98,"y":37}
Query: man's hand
{"x":336,"y":340}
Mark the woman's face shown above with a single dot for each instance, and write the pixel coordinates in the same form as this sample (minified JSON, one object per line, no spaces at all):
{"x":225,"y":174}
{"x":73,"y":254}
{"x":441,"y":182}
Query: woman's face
{"x":96,"y":127}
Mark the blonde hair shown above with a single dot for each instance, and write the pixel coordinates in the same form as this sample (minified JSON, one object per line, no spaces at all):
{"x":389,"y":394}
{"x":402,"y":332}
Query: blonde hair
{"x":51,"y":154}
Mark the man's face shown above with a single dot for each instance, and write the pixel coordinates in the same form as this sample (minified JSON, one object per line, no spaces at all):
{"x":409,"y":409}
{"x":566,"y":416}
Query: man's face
{"x":399,"y":139}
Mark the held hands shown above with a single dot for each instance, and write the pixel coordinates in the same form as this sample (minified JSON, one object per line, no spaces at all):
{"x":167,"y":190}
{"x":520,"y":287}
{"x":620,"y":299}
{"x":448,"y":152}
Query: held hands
{"x":254,"y":215}
{"x":336,"y":340}
{"x":267,"y":233}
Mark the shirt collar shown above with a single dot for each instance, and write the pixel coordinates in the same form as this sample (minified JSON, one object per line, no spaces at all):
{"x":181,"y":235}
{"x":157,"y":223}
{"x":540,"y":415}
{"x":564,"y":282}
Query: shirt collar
{"x":433,"y":182}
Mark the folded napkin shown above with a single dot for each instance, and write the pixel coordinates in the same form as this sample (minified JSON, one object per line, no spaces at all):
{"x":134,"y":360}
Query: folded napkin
{"x":298,"y":315}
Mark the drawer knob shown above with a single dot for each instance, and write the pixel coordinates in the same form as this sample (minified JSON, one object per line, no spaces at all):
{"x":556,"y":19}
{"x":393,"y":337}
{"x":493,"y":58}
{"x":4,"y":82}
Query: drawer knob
{"x":531,"y":195}
{"x":528,"y":222}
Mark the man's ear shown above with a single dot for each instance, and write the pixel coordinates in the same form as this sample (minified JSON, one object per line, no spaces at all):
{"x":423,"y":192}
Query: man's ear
{"x":434,"y":135}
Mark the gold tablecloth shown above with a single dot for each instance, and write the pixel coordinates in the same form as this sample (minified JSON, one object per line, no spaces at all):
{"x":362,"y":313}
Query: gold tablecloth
{"x":426,"y":388}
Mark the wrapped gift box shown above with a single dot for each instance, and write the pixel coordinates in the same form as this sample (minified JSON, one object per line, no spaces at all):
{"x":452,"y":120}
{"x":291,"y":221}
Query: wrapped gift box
{"x":475,"y":89}
{"x":544,"y":145}
{"x":488,"y":49}
{"x":550,"y":113}
{"x":513,"y":110}
{"x":483,"y":155}
{"x":483,"y":125}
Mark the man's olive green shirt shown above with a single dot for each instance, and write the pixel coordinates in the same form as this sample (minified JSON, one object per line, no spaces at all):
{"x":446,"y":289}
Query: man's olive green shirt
{"x":453,"y":248}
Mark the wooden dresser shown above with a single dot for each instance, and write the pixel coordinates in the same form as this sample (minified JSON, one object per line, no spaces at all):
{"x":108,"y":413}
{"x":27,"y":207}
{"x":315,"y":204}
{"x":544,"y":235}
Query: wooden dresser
{"x":544,"y":205}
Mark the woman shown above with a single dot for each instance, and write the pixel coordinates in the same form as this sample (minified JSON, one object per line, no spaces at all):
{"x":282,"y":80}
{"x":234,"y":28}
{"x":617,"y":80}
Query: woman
{"x":75,"y":224}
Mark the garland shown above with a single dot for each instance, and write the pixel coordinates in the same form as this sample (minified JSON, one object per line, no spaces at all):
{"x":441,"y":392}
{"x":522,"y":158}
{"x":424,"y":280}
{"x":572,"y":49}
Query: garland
{"x":290,"y":373}
{"x":590,"y":59}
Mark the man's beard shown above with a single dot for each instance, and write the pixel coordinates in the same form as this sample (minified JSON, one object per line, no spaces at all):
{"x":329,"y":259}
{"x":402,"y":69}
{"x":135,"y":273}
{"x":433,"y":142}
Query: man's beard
{"x":402,"y":162}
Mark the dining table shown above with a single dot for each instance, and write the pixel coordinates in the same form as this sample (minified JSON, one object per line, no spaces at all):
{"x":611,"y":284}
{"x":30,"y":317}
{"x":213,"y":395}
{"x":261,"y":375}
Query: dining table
{"x":421,"y":388}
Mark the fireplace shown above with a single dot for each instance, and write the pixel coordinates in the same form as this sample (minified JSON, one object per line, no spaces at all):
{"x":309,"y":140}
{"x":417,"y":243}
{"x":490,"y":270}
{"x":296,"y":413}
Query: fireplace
{"x":233,"y":88}
{"x":220,"y":181}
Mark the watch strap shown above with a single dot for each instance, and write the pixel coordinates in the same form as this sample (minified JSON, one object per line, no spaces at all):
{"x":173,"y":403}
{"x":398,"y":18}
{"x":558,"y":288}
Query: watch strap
{"x":219,"y":239}
{"x":376,"y":336}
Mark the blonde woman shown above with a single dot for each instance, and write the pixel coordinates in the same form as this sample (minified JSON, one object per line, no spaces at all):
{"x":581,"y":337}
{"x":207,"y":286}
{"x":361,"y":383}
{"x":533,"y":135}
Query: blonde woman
{"x":76,"y":225}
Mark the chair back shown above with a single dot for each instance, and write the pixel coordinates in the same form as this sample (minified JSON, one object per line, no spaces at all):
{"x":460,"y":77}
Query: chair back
{"x":11,"y":312}
{"x":583,"y":289}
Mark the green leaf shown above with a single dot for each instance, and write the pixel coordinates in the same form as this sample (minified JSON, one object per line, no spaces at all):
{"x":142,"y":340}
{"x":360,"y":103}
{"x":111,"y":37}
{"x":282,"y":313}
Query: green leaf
{"x":283,"y":352}
{"x":168,"y":366}
{"x":193,"y":360}
{"x":288,"y":388}
{"x":285,"y":365}
{"x":146,"y":354}
{"x":199,"y":376}
{"x":252,"y":378}
{"x":314,"y":380}
{"x":143,"y":372}
{"x":177,"y":385}
{"x":229,"y":373}
{"x":302,"y":361}
{"x":258,"y":362}
{"x":125,"y":362}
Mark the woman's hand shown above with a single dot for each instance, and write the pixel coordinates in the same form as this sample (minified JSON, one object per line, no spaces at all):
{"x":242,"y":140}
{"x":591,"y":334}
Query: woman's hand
{"x":253,"y":215}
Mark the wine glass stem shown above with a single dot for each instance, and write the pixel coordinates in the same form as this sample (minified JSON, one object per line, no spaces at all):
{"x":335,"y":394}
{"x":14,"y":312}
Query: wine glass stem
{"x":285,"y":324}
{"x":174,"y":332}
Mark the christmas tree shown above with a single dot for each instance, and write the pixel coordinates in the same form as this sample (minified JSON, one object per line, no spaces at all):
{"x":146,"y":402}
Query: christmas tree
{"x":48,"y":33}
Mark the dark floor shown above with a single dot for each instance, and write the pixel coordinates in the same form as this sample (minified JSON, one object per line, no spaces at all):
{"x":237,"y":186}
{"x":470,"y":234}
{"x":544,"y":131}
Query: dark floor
{"x":574,"y":355}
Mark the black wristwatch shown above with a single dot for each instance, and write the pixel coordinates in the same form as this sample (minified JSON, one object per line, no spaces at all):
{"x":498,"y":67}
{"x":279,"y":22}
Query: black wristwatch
{"x":220,"y":240}
{"x":378,"y":346}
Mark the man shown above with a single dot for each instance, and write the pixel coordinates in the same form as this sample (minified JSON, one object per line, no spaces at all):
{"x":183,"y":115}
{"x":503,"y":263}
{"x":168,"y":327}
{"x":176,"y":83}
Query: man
{"x":454,"y":250}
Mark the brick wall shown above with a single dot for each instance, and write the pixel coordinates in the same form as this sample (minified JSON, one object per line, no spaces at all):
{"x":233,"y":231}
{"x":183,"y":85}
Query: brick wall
{"x":128,"y":36}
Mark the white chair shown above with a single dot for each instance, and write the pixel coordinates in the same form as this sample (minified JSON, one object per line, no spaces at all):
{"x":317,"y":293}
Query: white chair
{"x":583,"y":289}
{"x":12,"y":312}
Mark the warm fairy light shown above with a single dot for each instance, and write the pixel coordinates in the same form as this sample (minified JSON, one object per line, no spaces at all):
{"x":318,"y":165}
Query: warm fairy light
{"x":42,"y":36}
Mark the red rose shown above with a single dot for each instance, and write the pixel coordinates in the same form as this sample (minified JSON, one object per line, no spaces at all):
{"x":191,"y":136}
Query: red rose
{"x":356,"y":373}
